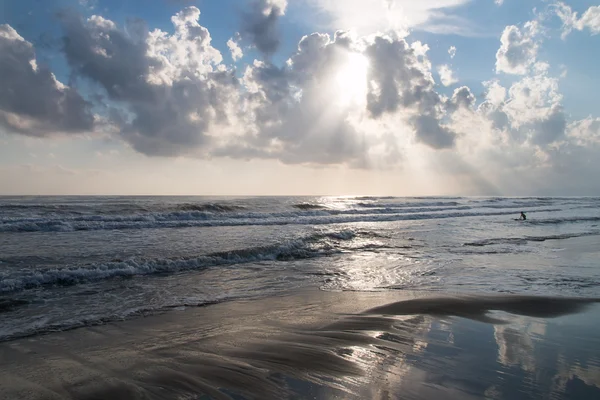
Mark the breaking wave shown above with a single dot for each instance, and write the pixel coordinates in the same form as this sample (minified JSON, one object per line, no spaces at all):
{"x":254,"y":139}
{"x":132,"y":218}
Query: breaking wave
{"x":315,"y":245}
{"x":187,"y":219}
{"x":309,"y":206}
{"x":209,"y":207}
{"x":411,"y":204}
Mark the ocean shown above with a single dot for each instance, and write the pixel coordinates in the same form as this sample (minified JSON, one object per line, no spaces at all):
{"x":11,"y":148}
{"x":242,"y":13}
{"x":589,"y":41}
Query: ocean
{"x":67,"y":262}
{"x":299,"y":297}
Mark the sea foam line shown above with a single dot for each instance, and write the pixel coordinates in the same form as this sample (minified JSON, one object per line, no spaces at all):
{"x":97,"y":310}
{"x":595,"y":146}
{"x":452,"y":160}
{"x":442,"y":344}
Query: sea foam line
{"x":314,"y":245}
{"x":319,"y":217}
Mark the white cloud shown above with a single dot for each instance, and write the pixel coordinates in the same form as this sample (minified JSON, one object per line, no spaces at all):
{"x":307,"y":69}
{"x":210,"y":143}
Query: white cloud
{"x":172,"y":89}
{"x":367,"y":17}
{"x":589,"y":20}
{"x":499,"y":2}
{"x":446,"y":75}
{"x":171,"y":95}
{"x":452,"y":51}
{"x":236,"y":51}
{"x":518,"y":49}
{"x":586,"y":131}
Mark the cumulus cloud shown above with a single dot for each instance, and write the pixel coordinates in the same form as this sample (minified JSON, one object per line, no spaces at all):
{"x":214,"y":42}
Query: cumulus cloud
{"x":523,"y":129}
{"x":590,"y":19}
{"x":299,"y":114}
{"x":529,"y":112}
{"x":260,"y":24}
{"x":462,"y":97}
{"x":518,"y":49}
{"x":585,"y":132}
{"x":293,"y":111}
{"x":236,"y":51}
{"x":446,"y":75}
{"x":452,"y":51}
{"x":400,"y":76}
{"x":343,"y":99}
{"x":170,"y":90}
{"x":32,"y":101}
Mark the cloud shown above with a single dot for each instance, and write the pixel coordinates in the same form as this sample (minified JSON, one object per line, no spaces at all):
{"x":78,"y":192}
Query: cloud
{"x":446,"y":75}
{"x":518,"y":49}
{"x":260,"y":24}
{"x":452,"y":51}
{"x":171,"y":94}
{"x":585,"y":132}
{"x":366,"y":17}
{"x":169,"y":91}
{"x":400,"y":76}
{"x":32,"y":101}
{"x":360,"y":101}
{"x":528,"y":113}
{"x":236,"y":51}
{"x":293,"y":111}
{"x":589,"y":20}
{"x":499,"y":2}
{"x":462,"y":97}
{"x":299,"y":114}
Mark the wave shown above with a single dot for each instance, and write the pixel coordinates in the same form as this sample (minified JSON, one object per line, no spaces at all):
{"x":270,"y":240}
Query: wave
{"x":189,"y":219}
{"x":555,"y":221}
{"x":315,"y":245}
{"x":406,"y":205}
{"x":375,"y":198}
{"x":308,"y":206}
{"x":209,"y":207}
{"x":526,"y":239}
{"x":42,"y":327}
{"x":117,"y":207}
{"x":8,"y":304}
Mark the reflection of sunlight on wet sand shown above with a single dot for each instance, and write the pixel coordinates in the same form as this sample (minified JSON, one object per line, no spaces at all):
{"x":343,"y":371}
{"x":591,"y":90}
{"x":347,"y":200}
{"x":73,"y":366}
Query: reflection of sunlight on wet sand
{"x":386,"y":369}
{"x":325,"y":343}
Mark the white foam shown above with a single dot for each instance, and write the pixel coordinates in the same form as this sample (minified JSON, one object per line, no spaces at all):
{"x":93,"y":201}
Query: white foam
{"x":306,"y":247}
{"x":202,"y":219}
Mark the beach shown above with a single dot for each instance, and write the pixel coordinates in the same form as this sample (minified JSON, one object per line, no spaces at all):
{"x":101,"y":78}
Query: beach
{"x":315,"y":199}
{"x":323,"y":345}
{"x":310,"y":297}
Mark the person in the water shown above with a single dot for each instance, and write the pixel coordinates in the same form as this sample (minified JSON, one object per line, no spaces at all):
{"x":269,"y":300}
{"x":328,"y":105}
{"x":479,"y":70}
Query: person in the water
{"x":523,"y":216}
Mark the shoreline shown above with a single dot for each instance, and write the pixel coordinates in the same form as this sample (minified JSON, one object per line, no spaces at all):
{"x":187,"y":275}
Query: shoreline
{"x":317,"y":344}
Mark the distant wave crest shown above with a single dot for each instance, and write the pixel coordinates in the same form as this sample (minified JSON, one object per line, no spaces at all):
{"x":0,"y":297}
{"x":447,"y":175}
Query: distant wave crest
{"x":525,"y":239}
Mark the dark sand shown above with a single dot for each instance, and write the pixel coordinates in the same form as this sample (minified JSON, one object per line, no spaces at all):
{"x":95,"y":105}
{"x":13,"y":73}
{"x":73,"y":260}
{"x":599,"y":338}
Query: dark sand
{"x":320,"y":345}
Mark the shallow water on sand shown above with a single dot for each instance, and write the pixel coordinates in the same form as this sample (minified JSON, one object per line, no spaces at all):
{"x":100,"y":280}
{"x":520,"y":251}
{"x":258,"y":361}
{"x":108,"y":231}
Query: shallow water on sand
{"x":323,"y":345}
{"x":67,"y":262}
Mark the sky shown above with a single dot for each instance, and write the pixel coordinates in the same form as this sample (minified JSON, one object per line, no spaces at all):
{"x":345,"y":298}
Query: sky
{"x":300,"y":97}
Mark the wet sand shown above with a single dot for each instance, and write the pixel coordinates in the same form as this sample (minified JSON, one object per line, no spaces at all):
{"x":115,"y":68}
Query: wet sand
{"x":323,"y":345}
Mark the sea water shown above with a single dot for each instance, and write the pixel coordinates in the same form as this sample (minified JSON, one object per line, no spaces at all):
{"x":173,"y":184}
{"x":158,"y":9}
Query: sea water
{"x":67,"y":262}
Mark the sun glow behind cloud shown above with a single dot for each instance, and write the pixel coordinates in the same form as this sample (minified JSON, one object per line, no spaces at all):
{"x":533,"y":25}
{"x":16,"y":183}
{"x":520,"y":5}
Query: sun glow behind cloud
{"x":363,"y":95}
{"x":351,"y":80}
